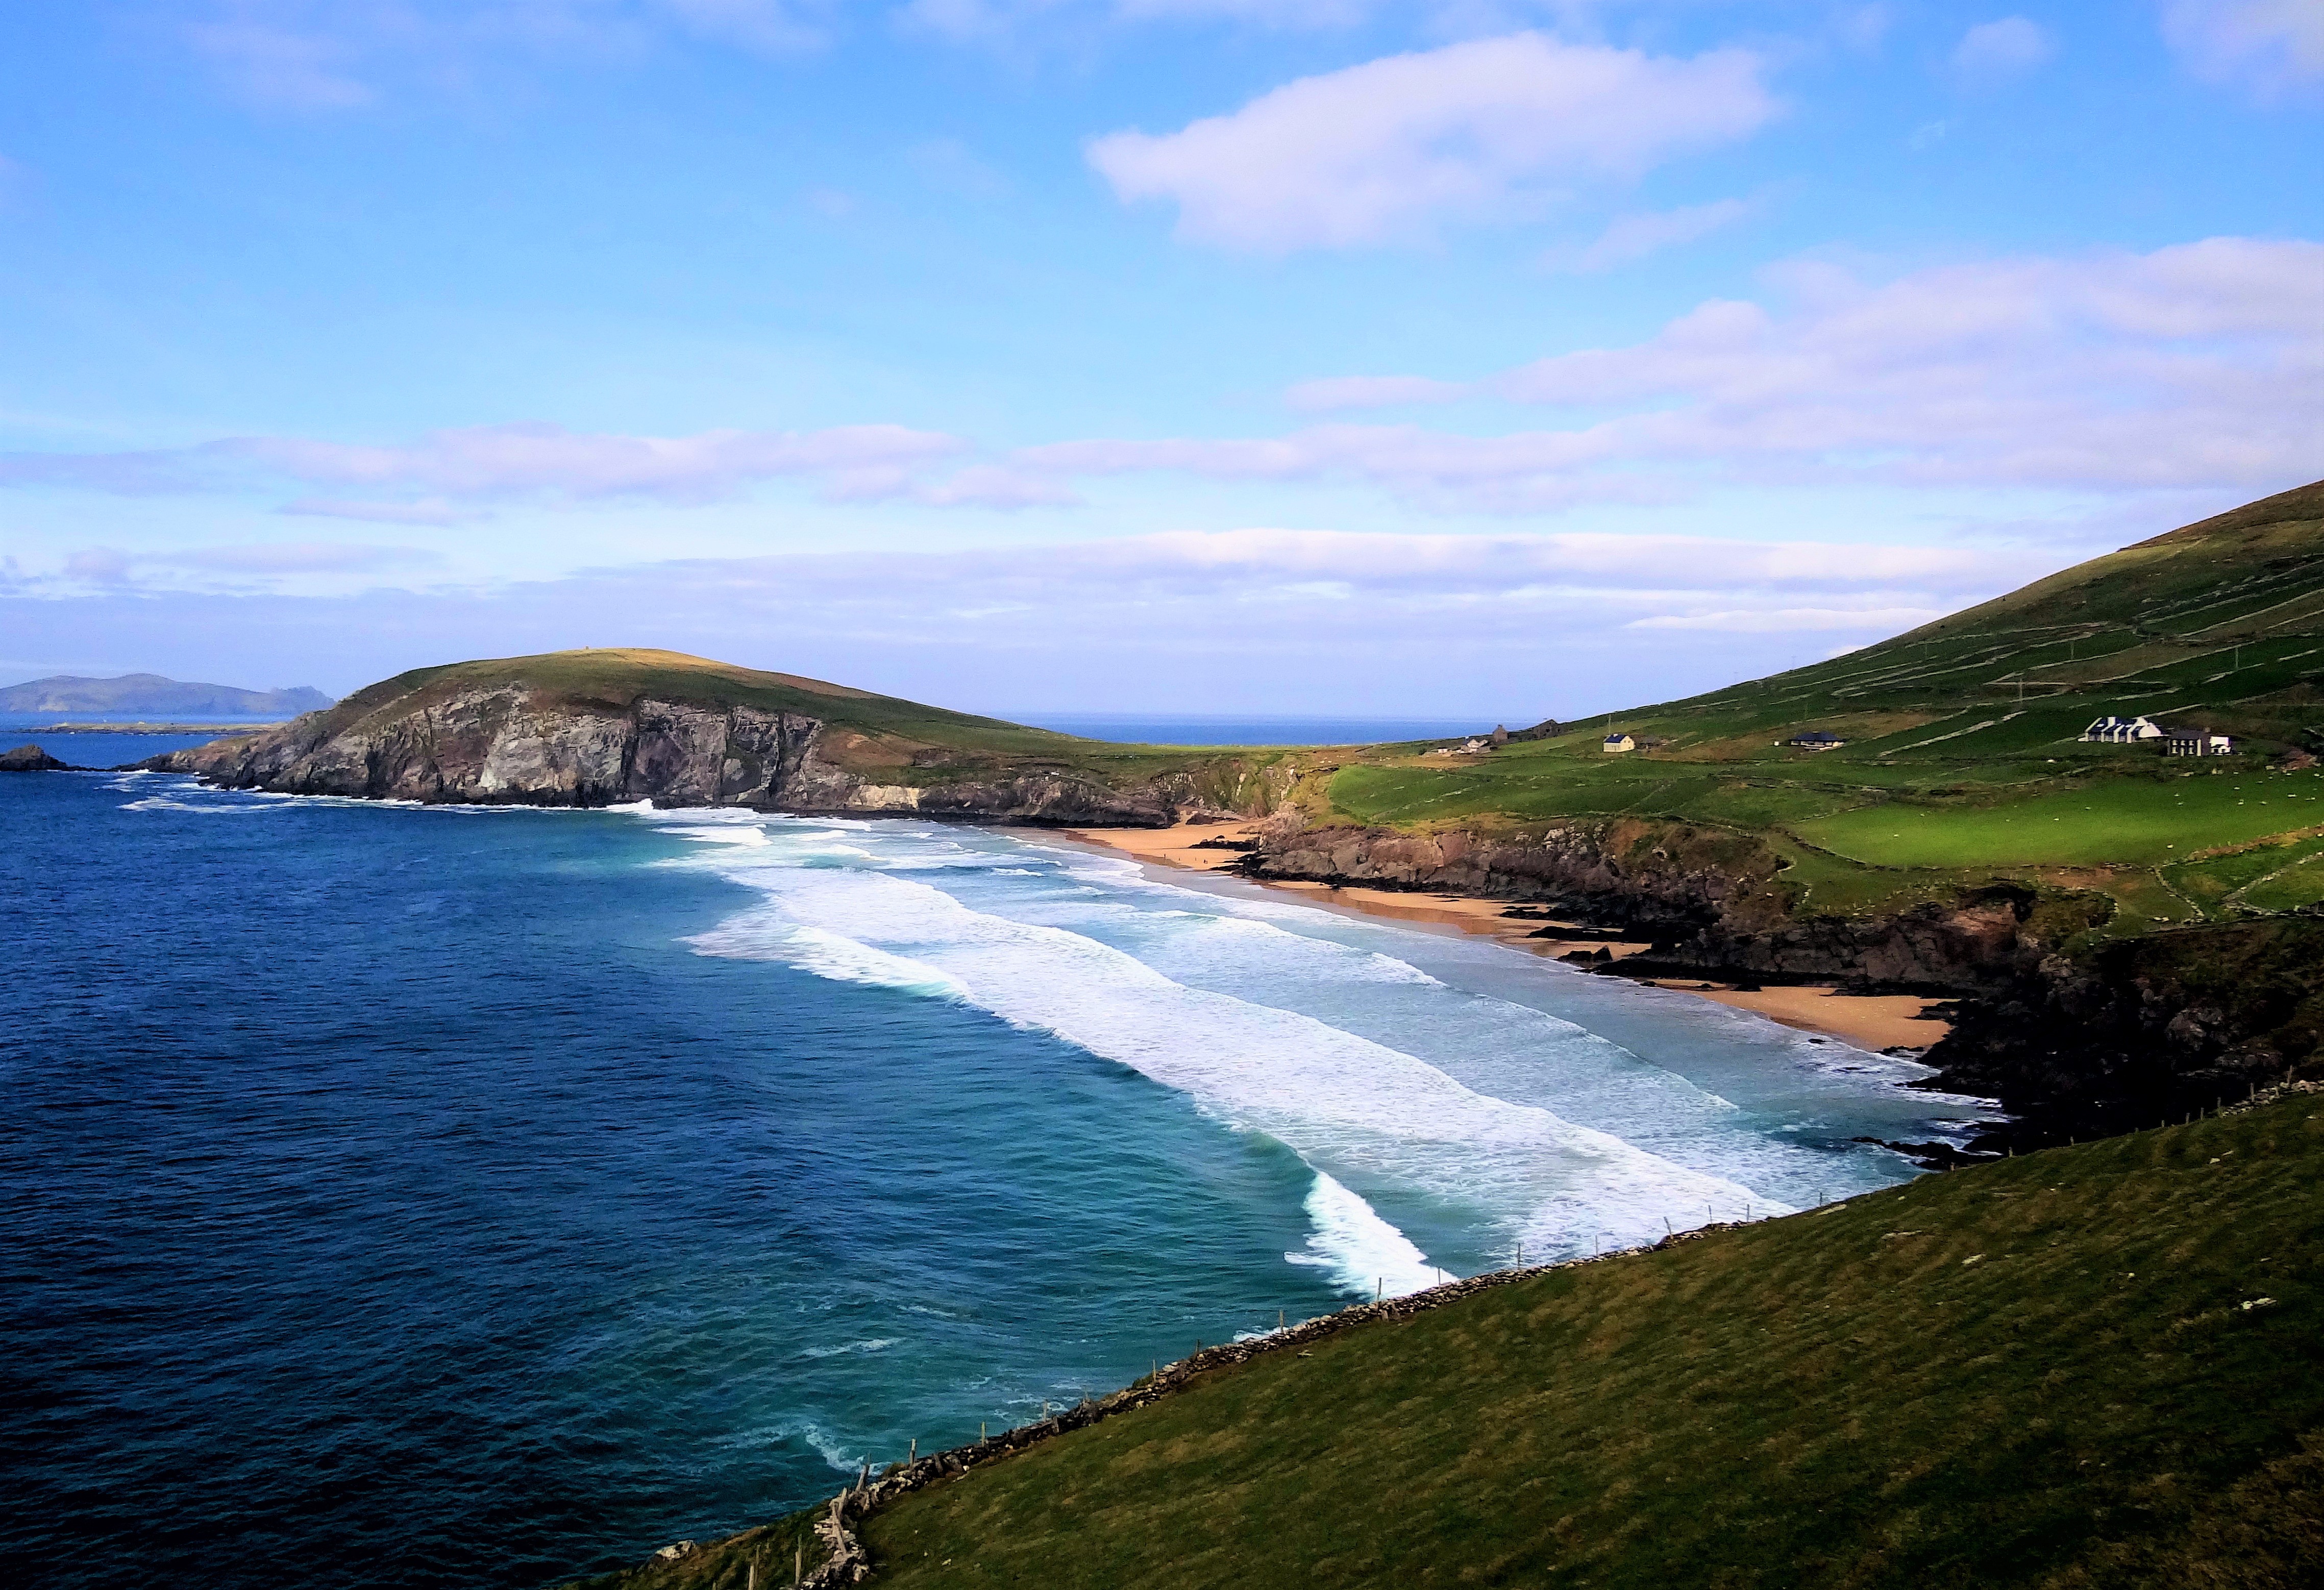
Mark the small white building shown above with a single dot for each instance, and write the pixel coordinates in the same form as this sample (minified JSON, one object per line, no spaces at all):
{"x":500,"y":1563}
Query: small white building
{"x":2195,"y":742}
{"x":2113,"y":731}
{"x":1619,"y":742}
{"x":1815,"y":739}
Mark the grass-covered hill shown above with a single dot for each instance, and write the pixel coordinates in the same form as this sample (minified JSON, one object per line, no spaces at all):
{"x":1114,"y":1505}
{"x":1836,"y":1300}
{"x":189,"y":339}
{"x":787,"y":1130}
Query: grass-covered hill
{"x":1962,"y":761}
{"x":2095,"y":1366}
{"x":879,"y":739}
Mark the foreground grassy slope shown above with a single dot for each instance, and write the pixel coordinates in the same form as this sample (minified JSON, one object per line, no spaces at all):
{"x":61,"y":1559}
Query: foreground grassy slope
{"x":1962,"y":759}
{"x":2040,"y":1372}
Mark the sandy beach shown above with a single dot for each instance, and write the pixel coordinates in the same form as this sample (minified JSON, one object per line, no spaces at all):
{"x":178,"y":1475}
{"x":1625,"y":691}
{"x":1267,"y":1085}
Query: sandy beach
{"x":1867,"y":1021}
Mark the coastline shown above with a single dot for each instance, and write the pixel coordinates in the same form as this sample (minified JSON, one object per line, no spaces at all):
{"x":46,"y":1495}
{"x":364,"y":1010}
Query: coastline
{"x":1876,"y":1022}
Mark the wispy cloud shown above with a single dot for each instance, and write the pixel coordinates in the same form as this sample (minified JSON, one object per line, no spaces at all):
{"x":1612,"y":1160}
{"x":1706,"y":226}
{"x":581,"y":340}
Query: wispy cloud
{"x":2189,"y":368}
{"x":426,"y":512}
{"x":260,"y":564}
{"x":1243,"y":619}
{"x":1794,"y":621}
{"x":340,"y":55}
{"x":2193,"y":366}
{"x":445,"y":469}
{"x":1387,"y":150}
{"x":2269,"y":44}
{"x":1995,"y":51}
{"x":1635,"y":236}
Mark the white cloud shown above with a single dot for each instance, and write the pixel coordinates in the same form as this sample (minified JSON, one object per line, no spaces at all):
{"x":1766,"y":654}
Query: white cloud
{"x":504,"y":460}
{"x":1513,"y":626}
{"x":1382,"y":151}
{"x":2198,"y":366}
{"x":1523,"y":471}
{"x":2269,"y":43}
{"x":263,"y":563}
{"x":1791,"y":620}
{"x":1635,"y":236}
{"x":448,"y":468}
{"x":1994,"y":50}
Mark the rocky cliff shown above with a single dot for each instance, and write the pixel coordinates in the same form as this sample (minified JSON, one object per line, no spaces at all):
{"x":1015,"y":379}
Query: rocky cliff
{"x":506,"y":734}
{"x":2134,"y":1032}
{"x":1712,"y":901}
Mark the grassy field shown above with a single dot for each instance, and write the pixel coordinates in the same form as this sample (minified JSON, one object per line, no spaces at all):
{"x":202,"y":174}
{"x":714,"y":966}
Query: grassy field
{"x":2042,"y":1372}
{"x":2135,"y":821}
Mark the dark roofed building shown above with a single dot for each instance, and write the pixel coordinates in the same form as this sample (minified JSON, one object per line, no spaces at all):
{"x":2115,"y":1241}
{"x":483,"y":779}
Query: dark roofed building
{"x":2179,"y":740}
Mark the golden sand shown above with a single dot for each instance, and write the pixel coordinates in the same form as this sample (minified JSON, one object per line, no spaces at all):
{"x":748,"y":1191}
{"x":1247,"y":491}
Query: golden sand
{"x":1868,"y":1021}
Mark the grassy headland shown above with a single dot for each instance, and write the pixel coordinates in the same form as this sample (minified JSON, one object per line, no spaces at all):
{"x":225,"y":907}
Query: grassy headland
{"x":894,"y":740}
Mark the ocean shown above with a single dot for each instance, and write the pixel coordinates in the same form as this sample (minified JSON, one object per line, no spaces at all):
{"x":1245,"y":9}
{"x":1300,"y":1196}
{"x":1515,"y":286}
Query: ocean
{"x":396,"y":1196}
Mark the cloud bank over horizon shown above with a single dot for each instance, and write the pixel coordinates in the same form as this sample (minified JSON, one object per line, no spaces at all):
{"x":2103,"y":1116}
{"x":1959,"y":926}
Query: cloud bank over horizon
{"x":1476,"y":621}
{"x":1574,"y":348}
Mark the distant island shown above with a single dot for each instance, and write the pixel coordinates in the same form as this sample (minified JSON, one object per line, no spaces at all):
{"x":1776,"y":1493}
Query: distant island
{"x":151,"y":693}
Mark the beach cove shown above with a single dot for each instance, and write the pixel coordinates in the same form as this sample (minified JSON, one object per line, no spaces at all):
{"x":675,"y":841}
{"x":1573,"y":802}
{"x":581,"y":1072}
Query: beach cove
{"x":1882,"y":1022}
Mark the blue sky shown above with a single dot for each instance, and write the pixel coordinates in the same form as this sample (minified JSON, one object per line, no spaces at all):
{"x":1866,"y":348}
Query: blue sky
{"x":1225,"y":355}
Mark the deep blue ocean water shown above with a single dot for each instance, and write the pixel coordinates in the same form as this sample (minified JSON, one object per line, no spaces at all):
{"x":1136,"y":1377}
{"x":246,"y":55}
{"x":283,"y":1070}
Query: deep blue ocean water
{"x":408,"y":1197}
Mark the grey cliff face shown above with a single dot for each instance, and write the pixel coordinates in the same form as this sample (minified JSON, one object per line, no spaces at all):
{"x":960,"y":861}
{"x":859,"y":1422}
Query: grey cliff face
{"x":498,"y":746}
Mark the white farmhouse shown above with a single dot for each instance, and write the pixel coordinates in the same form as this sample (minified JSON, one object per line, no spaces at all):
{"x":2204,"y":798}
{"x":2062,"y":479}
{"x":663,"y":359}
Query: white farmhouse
{"x":1619,"y":742}
{"x":2111,"y":730}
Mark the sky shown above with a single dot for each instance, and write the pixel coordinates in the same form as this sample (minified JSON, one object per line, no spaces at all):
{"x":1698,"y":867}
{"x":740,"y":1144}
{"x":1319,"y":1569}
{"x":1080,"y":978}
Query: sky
{"x":1483,"y":357}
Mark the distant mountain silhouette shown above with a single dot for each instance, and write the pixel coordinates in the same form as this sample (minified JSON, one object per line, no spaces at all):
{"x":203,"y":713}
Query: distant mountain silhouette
{"x":151,"y":693}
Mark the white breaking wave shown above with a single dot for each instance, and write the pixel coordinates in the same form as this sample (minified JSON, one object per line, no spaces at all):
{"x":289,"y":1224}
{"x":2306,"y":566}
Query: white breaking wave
{"x":164,"y":804}
{"x":869,"y":1345}
{"x":756,"y":937}
{"x":1359,"y":1251}
{"x":1341,"y":1101}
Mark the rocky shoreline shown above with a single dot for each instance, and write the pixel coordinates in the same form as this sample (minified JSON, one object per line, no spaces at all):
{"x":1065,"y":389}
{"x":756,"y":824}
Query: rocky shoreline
{"x":2104,"y":1039}
{"x":2071,"y":1045}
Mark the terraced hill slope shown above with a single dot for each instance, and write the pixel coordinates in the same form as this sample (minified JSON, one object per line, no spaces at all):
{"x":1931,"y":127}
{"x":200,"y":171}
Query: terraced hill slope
{"x":2095,"y":1365}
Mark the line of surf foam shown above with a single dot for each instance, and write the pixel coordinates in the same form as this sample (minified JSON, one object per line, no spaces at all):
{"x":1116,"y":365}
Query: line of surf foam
{"x":1344,"y":1103}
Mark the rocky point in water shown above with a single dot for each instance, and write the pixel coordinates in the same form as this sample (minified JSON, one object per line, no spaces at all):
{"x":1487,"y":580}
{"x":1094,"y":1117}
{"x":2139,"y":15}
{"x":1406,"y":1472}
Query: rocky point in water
{"x":595,"y":728}
{"x":29,"y":758}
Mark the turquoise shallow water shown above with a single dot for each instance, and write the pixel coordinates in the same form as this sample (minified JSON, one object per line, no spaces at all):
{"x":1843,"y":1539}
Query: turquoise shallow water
{"x":457,"y":1197}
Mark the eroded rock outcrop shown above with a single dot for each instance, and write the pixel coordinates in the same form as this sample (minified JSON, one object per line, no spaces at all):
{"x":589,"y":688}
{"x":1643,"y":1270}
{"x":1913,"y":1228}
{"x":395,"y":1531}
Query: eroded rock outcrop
{"x":2142,"y":1030}
{"x":29,"y":759}
{"x":507,"y":744}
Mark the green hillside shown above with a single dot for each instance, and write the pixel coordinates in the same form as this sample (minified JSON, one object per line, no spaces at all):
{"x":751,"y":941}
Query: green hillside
{"x":897,"y":742}
{"x":2057,"y":1370}
{"x":1962,"y":759}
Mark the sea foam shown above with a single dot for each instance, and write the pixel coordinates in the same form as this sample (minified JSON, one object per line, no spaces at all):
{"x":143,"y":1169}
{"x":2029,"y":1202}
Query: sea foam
{"x":1353,"y":1107}
{"x":1361,"y":1252}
